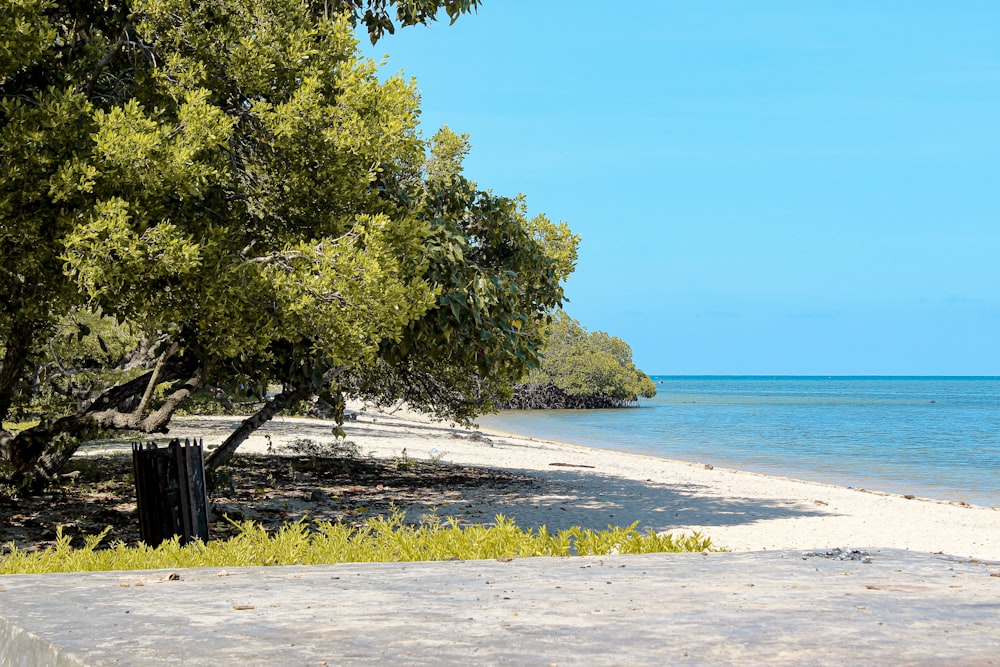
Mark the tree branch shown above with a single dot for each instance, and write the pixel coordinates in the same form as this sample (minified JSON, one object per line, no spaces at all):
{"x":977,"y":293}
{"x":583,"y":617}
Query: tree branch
{"x":110,"y":410}
{"x":157,"y":421}
{"x":122,"y":40}
{"x":155,"y":379}
{"x":275,"y":405}
{"x":288,"y":396}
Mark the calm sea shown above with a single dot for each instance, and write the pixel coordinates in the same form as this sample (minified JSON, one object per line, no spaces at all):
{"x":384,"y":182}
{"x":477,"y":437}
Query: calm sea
{"x":937,"y":437}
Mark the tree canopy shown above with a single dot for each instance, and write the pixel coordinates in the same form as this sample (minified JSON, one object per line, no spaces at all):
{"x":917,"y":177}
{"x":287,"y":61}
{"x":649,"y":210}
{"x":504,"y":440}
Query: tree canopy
{"x":582,"y":369}
{"x":378,"y":20}
{"x":223,"y":192}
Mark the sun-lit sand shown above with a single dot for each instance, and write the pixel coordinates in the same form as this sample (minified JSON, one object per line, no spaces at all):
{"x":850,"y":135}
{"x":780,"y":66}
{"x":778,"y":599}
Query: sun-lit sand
{"x":594,"y":488}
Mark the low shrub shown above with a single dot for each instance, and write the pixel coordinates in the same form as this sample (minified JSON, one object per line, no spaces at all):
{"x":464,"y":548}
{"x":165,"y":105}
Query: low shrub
{"x":380,"y":539}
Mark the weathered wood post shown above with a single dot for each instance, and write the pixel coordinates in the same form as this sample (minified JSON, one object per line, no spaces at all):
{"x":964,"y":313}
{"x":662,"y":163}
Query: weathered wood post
{"x":170,"y":491}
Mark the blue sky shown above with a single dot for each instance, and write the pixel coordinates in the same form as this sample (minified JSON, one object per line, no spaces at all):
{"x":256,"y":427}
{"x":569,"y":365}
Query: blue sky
{"x":768,"y":187}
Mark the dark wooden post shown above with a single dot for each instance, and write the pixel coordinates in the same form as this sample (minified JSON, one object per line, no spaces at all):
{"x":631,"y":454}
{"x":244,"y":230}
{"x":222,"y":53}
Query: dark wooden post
{"x":170,"y":491}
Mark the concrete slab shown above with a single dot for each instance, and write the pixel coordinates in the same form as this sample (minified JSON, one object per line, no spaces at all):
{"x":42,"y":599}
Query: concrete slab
{"x":775,"y":608}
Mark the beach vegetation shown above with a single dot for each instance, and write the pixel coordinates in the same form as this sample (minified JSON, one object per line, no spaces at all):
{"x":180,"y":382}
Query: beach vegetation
{"x":224,"y":197}
{"x":581,"y":369}
{"x":379,"y":539}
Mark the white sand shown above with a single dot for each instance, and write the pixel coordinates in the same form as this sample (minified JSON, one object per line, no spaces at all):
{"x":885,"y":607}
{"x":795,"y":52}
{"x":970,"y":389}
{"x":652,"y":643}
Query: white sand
{"x":594,"y":488}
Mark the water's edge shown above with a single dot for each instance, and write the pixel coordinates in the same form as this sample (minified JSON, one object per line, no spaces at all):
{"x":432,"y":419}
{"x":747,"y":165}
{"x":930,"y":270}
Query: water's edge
{"x":928,"y":436}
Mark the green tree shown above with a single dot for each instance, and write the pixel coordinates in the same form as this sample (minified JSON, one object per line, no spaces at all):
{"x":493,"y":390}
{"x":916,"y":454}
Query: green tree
{"x":582,"y":369}
{"x":496,"y":274}
{"x":499,"y":273}
{"x":228,"y":182}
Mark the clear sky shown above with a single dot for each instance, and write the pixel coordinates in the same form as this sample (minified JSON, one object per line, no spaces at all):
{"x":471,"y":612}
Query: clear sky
{"x":767,"y":187}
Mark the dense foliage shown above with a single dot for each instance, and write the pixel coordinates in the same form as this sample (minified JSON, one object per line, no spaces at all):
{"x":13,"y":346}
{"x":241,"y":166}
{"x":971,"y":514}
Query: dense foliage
{"x":223,"y":194}
{"x":582,"y":369}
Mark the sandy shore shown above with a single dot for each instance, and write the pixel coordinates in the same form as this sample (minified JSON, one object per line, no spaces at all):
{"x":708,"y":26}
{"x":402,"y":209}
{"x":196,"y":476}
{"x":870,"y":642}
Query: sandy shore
{"x":593,"y":488}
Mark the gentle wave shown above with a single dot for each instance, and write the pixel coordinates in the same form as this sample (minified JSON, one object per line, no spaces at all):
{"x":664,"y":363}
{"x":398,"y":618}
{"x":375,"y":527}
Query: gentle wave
{"x":933,"y":437}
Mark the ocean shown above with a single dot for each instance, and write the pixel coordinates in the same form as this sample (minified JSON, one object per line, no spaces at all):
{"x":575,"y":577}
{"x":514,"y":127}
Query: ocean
{"x":936,"y":437}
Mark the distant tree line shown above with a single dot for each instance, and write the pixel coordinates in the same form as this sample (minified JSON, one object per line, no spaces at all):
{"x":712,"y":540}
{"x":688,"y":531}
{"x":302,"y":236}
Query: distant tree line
{"x":581,"y":369}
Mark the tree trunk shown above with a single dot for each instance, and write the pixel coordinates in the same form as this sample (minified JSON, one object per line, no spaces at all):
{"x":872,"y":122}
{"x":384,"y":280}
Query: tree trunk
{"x":39,"y":453}
{"x":225,"y":451}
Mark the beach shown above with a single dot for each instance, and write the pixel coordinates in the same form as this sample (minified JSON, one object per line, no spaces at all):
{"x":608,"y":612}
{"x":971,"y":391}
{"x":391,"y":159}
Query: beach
{"x":818,"y":575}
{"x":594,"y":488}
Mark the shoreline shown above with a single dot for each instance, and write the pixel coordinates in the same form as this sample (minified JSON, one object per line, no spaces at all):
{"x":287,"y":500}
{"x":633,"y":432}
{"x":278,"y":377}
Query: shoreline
{"x":500,"y":433}
{"x":580,"y":485}
{"x":865,"y":481}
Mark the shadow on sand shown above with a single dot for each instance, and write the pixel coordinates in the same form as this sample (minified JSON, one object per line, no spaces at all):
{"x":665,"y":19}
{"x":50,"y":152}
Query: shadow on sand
{"x":557,"y":498}
{"x":562,"y":498}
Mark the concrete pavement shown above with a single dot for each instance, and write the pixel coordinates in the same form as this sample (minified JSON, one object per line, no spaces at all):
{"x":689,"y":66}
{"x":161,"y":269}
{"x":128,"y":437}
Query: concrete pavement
{"x":773,"y":608}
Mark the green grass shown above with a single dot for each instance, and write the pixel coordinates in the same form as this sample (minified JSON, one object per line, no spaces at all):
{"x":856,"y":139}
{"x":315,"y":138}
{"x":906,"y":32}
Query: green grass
{"x":376,"y":540}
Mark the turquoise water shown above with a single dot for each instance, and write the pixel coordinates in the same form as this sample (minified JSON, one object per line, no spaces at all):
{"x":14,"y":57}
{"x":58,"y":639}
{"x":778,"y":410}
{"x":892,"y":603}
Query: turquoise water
{"x":934,"y":437}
